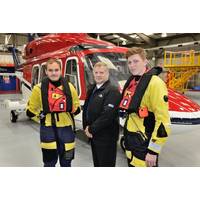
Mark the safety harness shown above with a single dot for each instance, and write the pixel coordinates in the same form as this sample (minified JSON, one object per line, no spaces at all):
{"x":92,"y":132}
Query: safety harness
{"x":50,"y":103}
{"x":133,"y":92}
{"x":62,"y":104}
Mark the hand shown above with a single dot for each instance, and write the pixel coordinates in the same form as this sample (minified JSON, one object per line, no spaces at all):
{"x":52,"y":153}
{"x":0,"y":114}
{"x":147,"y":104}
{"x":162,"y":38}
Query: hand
{"x":88,"y":134}
{"x":151,"y":160}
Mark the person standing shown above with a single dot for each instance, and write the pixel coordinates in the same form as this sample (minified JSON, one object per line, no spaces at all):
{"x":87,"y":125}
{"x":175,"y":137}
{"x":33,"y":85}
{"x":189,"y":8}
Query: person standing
{"x":55,"y":102}
{"x":100,"y":117}
{"x":145,"y":105}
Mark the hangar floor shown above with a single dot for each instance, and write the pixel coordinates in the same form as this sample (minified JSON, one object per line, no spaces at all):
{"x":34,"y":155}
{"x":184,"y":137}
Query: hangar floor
{"x":19,"y":144}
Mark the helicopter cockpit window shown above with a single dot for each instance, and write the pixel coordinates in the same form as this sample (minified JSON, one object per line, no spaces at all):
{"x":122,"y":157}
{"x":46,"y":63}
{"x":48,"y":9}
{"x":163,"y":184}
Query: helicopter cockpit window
{"x":35,"y":76}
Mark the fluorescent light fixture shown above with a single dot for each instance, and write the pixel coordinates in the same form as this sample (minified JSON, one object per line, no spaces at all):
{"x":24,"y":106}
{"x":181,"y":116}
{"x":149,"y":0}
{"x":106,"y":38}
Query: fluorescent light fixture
{"x":164,"y":35}
{"x":98,"y":37}
{"x":124,"y":42}
{"x":148,"y":33}
{"x":123,"y":39}
{"x":116,"y":36}
{"x":134,"y":36}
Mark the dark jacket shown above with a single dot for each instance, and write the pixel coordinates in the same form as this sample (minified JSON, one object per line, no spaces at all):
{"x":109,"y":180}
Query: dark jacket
{"x":100,"y":112}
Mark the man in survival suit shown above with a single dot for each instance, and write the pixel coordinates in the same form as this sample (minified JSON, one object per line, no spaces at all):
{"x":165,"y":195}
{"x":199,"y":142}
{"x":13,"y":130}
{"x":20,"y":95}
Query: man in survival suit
{"x":100,"y":117}
{"x":55,"y":101}
{"x":145,"y":104}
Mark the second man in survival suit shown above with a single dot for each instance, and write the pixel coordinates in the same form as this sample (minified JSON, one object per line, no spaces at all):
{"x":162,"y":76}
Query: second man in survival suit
{"x":145,"y":100}
{"x":55,"y":101}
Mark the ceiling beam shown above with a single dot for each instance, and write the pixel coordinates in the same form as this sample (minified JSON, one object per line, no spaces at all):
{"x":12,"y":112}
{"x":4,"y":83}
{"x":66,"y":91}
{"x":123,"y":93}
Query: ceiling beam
{"x":107,"y":34}
{"x":146,"y":39}
{"x":136,"y":45}
{"x":179,"y":36}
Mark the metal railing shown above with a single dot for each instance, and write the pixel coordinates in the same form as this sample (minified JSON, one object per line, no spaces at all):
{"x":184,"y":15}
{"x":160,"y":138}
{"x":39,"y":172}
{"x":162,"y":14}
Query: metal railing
{"x":181,"y":67}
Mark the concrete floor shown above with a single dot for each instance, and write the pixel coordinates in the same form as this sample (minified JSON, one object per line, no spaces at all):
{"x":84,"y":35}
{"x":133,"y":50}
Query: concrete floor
{"x":19,"y":144}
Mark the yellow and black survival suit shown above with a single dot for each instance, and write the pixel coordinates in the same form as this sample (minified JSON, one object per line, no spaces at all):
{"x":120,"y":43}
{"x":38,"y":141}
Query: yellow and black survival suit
{"x":145,"y":102}
{"x":55,"y":103}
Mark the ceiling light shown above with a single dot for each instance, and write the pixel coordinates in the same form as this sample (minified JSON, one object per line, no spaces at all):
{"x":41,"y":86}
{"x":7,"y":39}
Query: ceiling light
{"x":164,"y":35}
{"x":148,"y":33}
{"x":116,"y":36}
{"x":134,"y":36}
{"x":123,"y":39}
{"x":98,"y":37}
{"x":124,"y":42}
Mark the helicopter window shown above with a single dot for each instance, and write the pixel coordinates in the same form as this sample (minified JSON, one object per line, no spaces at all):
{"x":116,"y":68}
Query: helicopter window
{"x":35,"y":76}
{"x":72,"y":73}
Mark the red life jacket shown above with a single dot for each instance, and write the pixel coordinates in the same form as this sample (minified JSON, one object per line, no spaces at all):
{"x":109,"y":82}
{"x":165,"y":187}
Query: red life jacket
{"x":133,"y":93}
{"x":56,"y":99}
{"x":128,"y":95}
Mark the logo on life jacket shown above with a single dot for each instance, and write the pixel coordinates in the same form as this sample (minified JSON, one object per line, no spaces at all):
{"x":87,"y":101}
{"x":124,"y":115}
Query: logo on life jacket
{"x":56,"y":99}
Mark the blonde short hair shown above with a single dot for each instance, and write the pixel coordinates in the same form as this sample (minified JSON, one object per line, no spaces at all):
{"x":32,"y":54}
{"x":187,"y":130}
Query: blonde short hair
{"x":101,"y":64}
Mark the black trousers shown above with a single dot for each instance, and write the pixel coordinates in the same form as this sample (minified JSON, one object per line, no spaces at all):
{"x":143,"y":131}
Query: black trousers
{"x":104,"y":153}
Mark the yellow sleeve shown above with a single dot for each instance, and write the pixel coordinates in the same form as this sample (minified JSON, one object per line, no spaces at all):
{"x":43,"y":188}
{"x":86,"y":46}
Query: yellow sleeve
{"x":34,"y":103}
{"x":75,"y":100}
{"x":159,"y":106}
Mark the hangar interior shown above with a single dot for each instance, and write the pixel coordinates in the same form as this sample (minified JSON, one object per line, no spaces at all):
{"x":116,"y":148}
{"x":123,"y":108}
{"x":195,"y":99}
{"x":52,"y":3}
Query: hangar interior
{"x":177,"y":53}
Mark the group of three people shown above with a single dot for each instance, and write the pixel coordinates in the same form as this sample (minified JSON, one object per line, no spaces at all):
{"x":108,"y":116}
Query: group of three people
{"x":143,"y":103}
